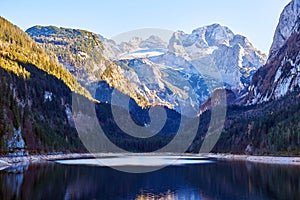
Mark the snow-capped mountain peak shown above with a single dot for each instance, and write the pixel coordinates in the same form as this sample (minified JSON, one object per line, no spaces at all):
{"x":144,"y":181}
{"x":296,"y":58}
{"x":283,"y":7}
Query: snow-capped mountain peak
{"x":216,"y":49}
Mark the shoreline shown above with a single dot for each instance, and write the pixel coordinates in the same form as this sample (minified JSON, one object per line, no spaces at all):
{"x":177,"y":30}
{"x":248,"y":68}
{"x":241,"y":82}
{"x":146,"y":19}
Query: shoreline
{"x":6,"y":161}
{"x":279,"y":160}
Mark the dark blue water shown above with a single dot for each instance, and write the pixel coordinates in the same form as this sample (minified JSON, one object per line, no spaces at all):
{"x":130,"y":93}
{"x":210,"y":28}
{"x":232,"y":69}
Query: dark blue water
{"x":219,"y":180}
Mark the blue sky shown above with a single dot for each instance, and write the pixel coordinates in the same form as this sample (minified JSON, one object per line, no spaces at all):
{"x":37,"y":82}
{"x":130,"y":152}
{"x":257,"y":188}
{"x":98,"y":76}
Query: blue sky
{"x":256,"y":19}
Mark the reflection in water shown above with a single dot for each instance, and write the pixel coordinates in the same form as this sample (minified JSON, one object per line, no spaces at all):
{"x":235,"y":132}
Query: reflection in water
{"x":151,"y":196}
{"x":14,"y":179}
{"x":220,"y":180}
{"x":169,"y":195}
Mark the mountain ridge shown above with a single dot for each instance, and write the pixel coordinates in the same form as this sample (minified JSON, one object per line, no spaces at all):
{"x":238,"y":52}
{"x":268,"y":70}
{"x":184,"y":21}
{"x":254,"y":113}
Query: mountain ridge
{"x":90,"y":66}
{"x":231,"y":64}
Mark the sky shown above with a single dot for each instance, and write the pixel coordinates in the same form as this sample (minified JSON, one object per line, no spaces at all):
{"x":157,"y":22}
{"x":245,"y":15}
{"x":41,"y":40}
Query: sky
{"x":255,"y":19}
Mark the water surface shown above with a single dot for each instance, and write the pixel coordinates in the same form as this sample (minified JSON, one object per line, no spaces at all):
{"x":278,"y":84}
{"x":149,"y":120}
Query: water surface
{"x":203,"y":180}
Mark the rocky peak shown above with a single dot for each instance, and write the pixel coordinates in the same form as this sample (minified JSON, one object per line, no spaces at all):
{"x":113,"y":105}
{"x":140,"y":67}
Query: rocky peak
{"x":177,"y":43}
{"x":153,"y":42}
{"x":132,"y":44}
{"x":204,"y":37}
{"x":281,"y":75}
{"x":241,"y":40}
{"x":217,"y":34}
{"x":285,"y":26}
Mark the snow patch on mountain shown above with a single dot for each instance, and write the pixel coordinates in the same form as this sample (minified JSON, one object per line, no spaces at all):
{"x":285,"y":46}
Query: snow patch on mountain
{"x":286,"y":79}
{"x":142,"y":53}
{"x":134,"y":48}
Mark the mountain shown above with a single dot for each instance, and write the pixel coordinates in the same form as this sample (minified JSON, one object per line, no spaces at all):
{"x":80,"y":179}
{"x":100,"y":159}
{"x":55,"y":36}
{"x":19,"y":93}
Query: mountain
{"x":35,"y":96}
{"x":281,"y":74}
{"x":184,"y":72}
{"x":78,"y":50}
{"x":148,"y":82}
{"x":285,"y":27}
{"x":39,"y":77}
{"x":267,"y":119}
{"x":17,"y":47}
{"x":211,"y":49}
{"x":38,"y":108}
{"x":216,"y":49}
{"x":173,"y":80}
{"x":214,"y":99}
{"x":82,"y":53}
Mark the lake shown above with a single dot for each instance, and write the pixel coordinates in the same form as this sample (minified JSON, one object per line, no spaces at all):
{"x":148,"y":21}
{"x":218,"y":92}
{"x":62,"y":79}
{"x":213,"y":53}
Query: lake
{"x":191,"y":178}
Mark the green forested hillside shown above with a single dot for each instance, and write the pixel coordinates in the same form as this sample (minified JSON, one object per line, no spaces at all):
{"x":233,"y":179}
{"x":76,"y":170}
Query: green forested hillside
{"x":270,"y":128}
{"x":17,"y":48}
{"x":36,"y":95}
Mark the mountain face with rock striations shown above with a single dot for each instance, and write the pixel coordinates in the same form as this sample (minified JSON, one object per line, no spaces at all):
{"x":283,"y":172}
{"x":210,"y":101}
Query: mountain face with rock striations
{"x":281,"y":75}
{"x":78,"y":50}
{"x":215,"y":49}
{"x":172,"y":79}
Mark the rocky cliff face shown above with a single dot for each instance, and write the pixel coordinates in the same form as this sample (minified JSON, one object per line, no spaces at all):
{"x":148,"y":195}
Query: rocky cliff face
{"x":287,"y":21}
{"x":281,"y":75}
{"x":172,"y":79}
